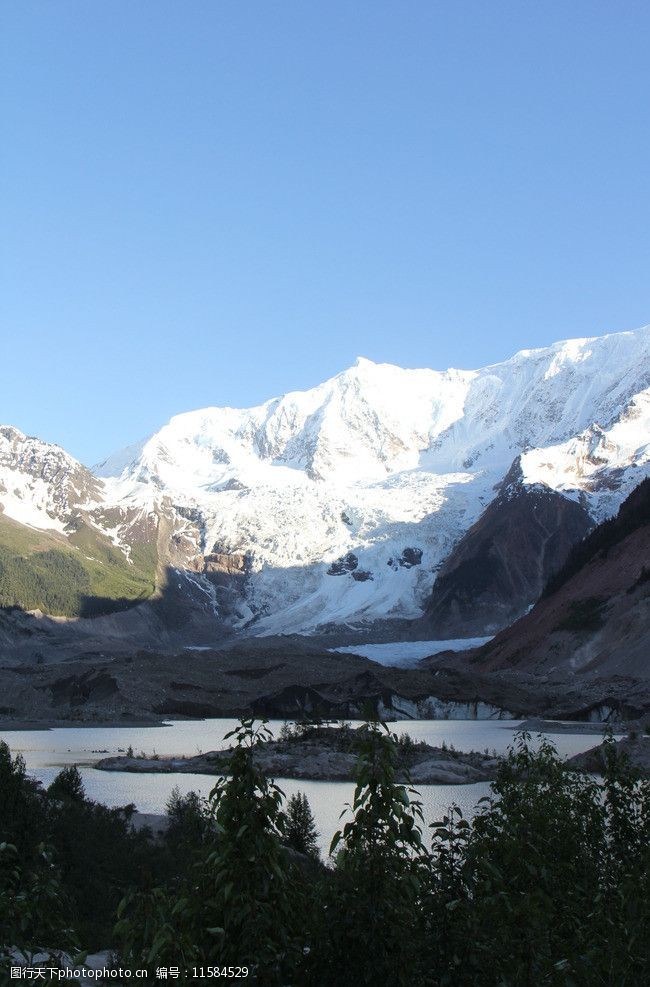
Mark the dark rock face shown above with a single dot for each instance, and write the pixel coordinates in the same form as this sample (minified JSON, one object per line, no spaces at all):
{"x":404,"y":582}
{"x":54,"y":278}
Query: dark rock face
{"x":295,"y":700}
{"x":361,"y":575}
{"x":501,"y":565}
{"x":344,"y":565}
{"x":221,"y":567}
{"x":408,"y":558}
{"x":180,"y":707}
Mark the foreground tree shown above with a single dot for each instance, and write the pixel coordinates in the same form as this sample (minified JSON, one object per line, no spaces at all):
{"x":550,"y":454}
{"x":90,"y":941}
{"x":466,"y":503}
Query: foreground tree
{"x":369,"y":930}
{"x":68,"y":784}
{"x":549,"y":883}
{"x":23,"y":811}
{"x":239,"y":906}
{"x":35,"y":911}
{"x":248,"y":884}
{"x":190,"y":825}
{"x":620,"y":944}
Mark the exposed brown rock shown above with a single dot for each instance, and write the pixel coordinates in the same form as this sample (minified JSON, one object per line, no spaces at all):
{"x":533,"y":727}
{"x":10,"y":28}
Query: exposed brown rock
{"x":226,"y":564}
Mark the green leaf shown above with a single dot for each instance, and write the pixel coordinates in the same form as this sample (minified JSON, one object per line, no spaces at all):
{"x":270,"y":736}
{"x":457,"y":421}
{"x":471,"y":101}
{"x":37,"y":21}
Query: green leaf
{"x":336,"y":839}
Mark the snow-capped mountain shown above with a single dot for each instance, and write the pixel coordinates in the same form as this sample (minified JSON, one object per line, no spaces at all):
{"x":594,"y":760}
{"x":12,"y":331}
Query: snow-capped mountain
{"x":337,"y":505}
{"x":40,"y":484}
{"x":340,"y":503}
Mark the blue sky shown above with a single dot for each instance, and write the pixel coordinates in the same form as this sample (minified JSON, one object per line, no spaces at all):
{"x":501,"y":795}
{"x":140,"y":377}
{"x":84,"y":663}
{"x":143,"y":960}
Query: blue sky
{"x":213,"y":202}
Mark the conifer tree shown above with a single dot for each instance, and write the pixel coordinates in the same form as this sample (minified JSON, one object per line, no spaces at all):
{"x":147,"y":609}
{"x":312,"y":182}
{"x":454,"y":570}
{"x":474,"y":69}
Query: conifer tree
{"x":68,"y":784}
{"x":300,"y":829}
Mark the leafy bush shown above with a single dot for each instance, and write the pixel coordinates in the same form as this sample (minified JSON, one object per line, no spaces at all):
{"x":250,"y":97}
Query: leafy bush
{"x":34,"y":908}
{"x":238,"y":905}
{"x":246,"y":913}
{"x":549,"y":883}
{"x":91,"y":849}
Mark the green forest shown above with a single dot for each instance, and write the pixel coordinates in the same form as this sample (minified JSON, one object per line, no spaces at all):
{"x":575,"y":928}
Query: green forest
{"x":81,"y":576}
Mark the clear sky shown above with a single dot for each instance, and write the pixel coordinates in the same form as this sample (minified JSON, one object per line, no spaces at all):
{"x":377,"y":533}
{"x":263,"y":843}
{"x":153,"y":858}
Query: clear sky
{"x":212,"y":202}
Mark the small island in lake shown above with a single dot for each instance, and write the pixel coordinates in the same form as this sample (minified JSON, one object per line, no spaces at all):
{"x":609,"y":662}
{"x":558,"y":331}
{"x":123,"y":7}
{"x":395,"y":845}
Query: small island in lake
{"x":323,"y":753}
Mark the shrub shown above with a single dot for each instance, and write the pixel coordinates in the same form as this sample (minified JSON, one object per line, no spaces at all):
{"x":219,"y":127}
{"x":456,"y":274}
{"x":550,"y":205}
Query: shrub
{"x":549,"y":883}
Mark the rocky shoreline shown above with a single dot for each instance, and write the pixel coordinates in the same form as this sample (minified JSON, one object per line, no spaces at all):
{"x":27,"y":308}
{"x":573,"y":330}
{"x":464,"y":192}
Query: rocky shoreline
{"x":635,"y":747}
{"x":324,"y":754}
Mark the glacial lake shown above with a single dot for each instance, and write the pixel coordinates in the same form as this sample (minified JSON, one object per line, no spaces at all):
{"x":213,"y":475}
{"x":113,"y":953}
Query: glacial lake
{"x":47,"y":751}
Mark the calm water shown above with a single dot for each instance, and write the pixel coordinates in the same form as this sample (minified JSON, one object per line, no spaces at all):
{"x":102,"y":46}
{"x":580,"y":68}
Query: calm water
{"x":47,"y":751}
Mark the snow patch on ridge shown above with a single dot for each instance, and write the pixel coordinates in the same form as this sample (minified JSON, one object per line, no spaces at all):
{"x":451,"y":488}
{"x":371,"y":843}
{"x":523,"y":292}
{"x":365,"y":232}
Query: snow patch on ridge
{"x":27,"y":512}
{"x":602,"y":465}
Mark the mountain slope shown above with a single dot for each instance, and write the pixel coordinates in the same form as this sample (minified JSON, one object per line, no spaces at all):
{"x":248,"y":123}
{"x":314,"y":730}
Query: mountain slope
{"x":594,"y":618}
{"x":47,"y":572}
{"x":40,"y":484}
{"x":58,"y":554}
